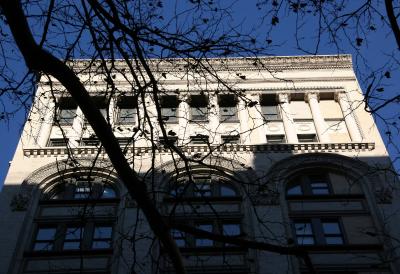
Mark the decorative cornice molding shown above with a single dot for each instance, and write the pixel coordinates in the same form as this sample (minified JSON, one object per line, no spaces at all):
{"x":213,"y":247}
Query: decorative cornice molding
{"x":269,"y":63}
{"x":198,"y":150}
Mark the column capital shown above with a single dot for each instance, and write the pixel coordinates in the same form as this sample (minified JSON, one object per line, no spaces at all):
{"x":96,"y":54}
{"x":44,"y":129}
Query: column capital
{"x":283,"y":97}
{"x":311,"y":95}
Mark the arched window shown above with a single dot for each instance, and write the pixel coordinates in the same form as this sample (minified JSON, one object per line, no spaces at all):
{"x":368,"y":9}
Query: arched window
{"x":83,"y":188}
{"x":329,"y":213}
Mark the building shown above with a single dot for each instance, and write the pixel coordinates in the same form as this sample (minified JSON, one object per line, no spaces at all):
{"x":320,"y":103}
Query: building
{"x":289,"y":157}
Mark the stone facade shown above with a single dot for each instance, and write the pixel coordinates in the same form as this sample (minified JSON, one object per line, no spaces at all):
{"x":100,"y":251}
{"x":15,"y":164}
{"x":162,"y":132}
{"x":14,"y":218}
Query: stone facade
{"x":290,"y":158}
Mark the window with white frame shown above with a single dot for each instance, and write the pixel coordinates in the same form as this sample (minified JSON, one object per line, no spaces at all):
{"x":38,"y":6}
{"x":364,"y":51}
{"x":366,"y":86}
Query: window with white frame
{"x":276,"y":139}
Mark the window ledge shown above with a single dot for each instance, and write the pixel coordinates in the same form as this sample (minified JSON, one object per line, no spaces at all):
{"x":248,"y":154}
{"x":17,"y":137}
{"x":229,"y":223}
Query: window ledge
{"x":79,"y":201}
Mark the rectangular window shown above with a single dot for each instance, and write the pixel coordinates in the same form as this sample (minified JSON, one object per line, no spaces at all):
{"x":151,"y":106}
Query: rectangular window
{"x":307,"y":138}
{"x":199,"y":139}
{"x":169,"y":106}
{"x":231,"y":229}
{"x":332,"y":232}
{"x":169,"y":139}
{"x":179,"y":237}
{"x":199,"y":108}
{"x":319,"y":185}
{"x":276,"y":139}
{"x":101,"y":104}
{"x":45,"y":238}
{"x":304,"y":233}
{"x":230,"y":139}
{"x":90,"y":142}
{"x":227,"y":108}
{"x":102,"y":237}
{"x":203,"y":242}
{"x":58,"y":142}
{"x":82,"y":191}
{"x":269,"y":107}
{"x":123,"y":142}
{"x":66,"y":111}
{"x":73,"y":238}
{"x":127,"y":110}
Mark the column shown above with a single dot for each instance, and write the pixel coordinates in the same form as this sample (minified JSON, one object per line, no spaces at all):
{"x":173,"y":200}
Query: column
{"x":77,"y":125}
{"x":349,"y":118}
{"x":244,"y":122}
{"x":288,"y":123}
{"x":183,"y":113}
{"x":319,"y":122}
{"x":213,"y":116}
{"x":47,"y":123}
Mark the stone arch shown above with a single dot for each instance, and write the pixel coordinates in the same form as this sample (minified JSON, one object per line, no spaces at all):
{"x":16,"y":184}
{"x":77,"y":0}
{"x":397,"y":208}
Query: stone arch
{"x":233,"y":169}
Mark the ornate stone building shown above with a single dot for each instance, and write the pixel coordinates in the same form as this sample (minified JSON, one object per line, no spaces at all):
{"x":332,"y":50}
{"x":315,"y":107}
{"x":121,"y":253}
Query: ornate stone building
{"x":280,"y":151}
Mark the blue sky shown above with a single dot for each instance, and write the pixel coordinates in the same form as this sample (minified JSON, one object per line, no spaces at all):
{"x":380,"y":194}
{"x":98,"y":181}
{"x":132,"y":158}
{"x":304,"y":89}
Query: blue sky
{"x":377,"y":51}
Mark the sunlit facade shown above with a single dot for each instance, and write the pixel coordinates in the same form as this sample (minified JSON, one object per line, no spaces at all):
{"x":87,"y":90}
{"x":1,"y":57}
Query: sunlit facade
{"x":281,"y":151}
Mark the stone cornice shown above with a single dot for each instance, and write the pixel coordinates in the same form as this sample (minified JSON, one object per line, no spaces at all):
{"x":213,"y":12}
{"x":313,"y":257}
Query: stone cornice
{"x":269,"y":63}
{"x":192,"y":150}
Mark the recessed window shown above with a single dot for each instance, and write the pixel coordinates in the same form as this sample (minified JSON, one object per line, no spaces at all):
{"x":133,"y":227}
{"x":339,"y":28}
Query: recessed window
{"x":198,"y":108}
{"x":127,"y":110}
{"x":73,"y":238}
{"x":102,"y":237}
{"x":227,"y":191}
{"x":169,"y":140}
{"x":101,"y":104}
{"x":57,"y":142}
{"x":81,"y":189}
{"x":307,"y":138}
{"x":108,"y":193}
{"x":179,"y":237}
{"x":230,"y":139}
{"x":169,"y":107}
{"x":227,"y":108}
{"x":309,"y":184}
{"x":202,"y":188}
{"x":332,"y":232}
{"x":66,"y":111}
{"x":199,"y":139}
{"x":82,"y":192}
{"x":92,"y":141}
{"x":203,"y":242}
{"x":124,"y":142}
{"x":304,"y":233}
{"x":269,"y":107}
{"x":44,"y":240}
{"x":276,"y":139}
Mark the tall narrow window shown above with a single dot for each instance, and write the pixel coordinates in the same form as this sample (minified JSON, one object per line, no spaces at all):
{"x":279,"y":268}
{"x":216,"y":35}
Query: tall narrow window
{"x":332,"y":232}
{"x":199,"y":108}
{"x":304,"y":233}
{"x":269,"y":107}
{"x":66,"y":111}
{"x":127,"y":110}
{"x":227,"y":108}
{"x":169,"y":106}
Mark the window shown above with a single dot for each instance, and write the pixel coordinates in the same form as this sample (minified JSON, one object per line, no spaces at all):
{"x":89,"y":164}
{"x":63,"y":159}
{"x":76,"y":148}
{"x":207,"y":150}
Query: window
{"x":199,"y":108}
{"x":269,"y":107}
{"x":102,"y":237}
{"x":66,"y":111}
{"x":45,"y":238}
{"x":127,"y":110}
{"x":169,"y":140}
{"x":227,"y":108}
{"x":199,"y":139}
{"x":92,"y":141}
{"x":304,"y":233}
{"x":78,"y":189}
{"x":204,"y":186}
{"x":57,"y":142}
{"x":276,"y":139}
{"x":230,"y":139}
{"x":169,"y":105}
{"x":179,"y":237}
{"x":309,"y":184}
{"x":73,"y":238}
{"x":317,"y":231}
{"x":307,"y":138}
{"x":124,"y":142}
{"x":101,"y":104}
{"x":203,"y":242}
